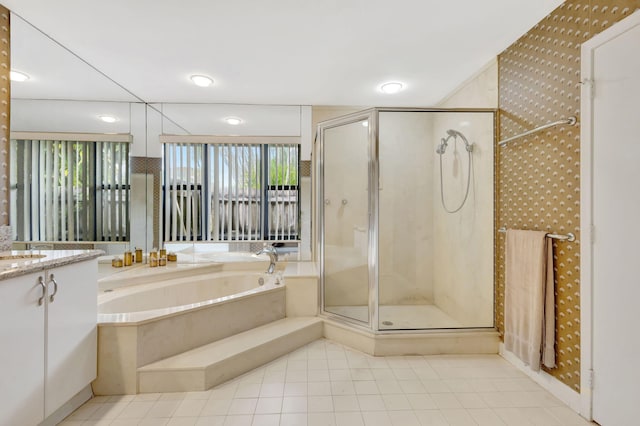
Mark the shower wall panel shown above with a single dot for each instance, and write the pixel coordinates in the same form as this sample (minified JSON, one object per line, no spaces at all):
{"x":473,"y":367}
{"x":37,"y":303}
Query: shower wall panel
{"x":463,"y":278}
{"x":346,"y":215}
{"x":405,"y":249}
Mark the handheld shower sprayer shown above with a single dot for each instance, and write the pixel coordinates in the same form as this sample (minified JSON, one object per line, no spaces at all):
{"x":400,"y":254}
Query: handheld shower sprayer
{"x":440,"y":150}
{"x":442,"y":147}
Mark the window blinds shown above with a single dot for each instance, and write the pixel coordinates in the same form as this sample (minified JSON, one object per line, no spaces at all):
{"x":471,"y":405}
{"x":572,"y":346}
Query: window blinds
{"x":70,"y":190}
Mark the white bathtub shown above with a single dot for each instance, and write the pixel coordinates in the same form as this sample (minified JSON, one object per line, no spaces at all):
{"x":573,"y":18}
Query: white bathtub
{"x":140,"y":324}
{"x":134,"y":304}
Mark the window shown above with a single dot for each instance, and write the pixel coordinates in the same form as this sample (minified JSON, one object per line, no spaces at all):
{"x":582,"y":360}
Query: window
{"x":231,"y":192}
{"x":70,"y":190}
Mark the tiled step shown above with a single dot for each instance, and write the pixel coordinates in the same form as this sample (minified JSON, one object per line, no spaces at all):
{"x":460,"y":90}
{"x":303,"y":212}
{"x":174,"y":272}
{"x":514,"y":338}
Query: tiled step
{"x":204,"y":367}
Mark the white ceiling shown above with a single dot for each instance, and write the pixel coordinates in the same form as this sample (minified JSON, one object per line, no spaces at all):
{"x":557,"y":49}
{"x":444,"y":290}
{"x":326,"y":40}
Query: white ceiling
{"x":293,"y":52}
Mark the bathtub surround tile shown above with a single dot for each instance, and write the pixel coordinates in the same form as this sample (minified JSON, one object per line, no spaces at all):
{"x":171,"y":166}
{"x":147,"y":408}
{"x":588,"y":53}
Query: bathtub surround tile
{"x":166,"y":337}
{"x":448,"y":400}
{"x":217,"y":362}
{"x":301,"y":296}
{"x":117,"y":364}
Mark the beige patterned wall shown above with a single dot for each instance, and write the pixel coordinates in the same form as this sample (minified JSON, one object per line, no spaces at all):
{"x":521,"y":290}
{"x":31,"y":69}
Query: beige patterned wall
{"x":538,"y":179}
{"x":5,"y":113}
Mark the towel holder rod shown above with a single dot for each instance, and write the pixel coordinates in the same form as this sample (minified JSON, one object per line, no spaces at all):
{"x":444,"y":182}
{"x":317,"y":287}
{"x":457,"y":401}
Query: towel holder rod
{"x":570,"y":121}
{"x":562,"y":237}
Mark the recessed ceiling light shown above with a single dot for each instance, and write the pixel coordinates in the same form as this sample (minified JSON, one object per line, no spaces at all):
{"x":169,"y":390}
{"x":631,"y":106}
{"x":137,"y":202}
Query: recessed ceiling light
{"x":391,"y":87}
{"x":108,"y":118}
{"x":234,"y":121}
{"x":201,"y":80}
{"x":18,"y":76}
{"x":365,"y":123}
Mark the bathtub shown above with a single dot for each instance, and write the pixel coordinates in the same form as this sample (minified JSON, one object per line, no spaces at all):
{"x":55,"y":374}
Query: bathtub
{"x":143,"y":323}
{"x":161,"y":298}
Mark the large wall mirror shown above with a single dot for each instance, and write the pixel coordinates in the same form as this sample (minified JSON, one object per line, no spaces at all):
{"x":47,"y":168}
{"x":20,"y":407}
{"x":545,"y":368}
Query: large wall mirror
{"x":89,"y":159}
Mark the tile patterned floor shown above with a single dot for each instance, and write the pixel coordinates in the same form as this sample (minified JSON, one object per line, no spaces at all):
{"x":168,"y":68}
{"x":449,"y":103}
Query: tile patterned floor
{"x":325,"y":383}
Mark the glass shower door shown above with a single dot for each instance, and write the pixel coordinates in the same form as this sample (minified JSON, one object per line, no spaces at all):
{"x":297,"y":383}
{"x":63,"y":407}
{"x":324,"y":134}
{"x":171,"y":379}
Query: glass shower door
{"x":344,"y":213}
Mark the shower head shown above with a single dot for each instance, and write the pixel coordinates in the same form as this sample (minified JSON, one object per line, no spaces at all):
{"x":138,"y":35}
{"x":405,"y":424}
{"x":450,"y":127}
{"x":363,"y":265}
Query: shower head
{"x":453,"y":134}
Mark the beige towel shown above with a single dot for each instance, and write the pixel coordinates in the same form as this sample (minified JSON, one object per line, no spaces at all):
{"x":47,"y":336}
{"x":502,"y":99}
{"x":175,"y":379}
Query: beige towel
{"x":529,"y":315}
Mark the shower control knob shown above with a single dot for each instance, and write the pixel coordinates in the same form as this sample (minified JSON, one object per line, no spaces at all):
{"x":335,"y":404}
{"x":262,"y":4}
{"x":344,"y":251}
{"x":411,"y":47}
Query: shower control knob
{"x":327,"y":201}
{"x":345,"y":202}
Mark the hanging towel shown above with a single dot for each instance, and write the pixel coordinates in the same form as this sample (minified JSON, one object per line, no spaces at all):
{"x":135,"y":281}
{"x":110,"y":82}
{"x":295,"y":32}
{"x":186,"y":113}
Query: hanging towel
{"x":529,"y":314}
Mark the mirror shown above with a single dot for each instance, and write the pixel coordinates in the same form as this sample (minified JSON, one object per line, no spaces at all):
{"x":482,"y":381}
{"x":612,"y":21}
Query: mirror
{"x":66,"y":99}
{"x":66,"y":96}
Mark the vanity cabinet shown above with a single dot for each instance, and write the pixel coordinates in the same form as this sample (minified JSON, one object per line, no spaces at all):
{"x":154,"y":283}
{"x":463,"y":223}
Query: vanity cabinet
{"x":48,"y":350}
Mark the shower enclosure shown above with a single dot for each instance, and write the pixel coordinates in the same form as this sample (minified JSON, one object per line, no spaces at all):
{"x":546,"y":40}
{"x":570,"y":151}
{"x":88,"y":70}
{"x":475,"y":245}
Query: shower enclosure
{"x":405,"y":218}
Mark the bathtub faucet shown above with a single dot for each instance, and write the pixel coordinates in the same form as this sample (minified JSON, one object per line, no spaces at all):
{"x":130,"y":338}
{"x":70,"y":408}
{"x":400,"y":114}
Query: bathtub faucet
{"x":273,"y":257}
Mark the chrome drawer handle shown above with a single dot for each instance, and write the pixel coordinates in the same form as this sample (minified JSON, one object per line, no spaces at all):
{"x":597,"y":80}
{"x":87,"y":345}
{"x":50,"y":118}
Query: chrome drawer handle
{"x":44,"y":290}
{"x":55,"y":287}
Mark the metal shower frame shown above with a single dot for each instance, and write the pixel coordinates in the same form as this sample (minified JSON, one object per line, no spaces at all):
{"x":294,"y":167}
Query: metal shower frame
{"x":373,"y":116}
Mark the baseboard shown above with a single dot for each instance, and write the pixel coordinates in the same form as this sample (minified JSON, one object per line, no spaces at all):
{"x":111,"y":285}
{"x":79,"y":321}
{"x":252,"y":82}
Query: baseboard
{"x":69,"y":407}
{"x":554,"y":386}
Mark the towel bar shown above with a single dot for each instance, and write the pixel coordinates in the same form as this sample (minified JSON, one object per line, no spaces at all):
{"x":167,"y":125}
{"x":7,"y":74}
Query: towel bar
{"x":562,"y":237}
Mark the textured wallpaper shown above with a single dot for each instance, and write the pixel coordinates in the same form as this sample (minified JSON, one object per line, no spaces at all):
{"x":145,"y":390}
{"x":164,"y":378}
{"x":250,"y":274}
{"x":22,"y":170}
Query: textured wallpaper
{"x":5,"y":113}
{"x":538,"y":179}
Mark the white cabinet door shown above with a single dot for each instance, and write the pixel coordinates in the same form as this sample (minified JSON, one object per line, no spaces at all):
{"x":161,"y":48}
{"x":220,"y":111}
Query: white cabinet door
{"x":616,"y":202}
{"x":72,"y":332}
{"x":21,"y":351}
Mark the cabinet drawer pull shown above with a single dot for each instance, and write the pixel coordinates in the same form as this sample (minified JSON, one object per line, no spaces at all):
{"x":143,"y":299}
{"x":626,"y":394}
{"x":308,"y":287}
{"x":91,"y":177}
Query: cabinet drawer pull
{"x":55,"y":287}
{"x":44,"y":291}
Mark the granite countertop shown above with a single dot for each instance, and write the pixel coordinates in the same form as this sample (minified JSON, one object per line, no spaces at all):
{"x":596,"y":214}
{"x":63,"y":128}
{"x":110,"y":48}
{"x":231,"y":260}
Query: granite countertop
{"x":21,"y":262}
